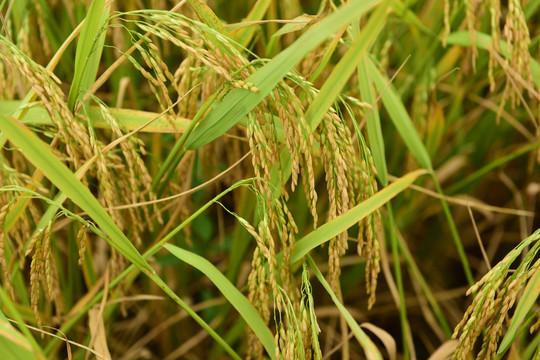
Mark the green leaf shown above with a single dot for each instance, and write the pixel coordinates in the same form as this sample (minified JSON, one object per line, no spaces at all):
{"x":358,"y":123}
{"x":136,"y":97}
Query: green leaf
{"x":399,"y":116}
{"x":89,"y":49}
{"x":239,"y":102}
{"x":231,"y":293}
{"x":373,"y":122}
{"x":346,"y":66}
{"x":345,"y":221}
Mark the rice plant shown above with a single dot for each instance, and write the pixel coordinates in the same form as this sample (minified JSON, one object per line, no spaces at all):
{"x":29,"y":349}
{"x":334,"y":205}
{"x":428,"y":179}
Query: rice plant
{"x":269,"y":179}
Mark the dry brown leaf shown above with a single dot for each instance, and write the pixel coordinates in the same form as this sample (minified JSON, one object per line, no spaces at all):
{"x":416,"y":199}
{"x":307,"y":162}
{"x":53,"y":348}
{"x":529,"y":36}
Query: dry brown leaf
{"x":444,"y":351}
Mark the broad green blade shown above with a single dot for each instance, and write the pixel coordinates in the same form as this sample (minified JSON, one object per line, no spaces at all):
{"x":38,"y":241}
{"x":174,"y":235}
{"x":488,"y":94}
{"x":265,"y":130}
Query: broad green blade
{"x":239,"y":102}
{"x":373,"y":123}
{"x":372,"y":353}
{"x":39,"y":154}
{"x":340,"y":224}
{"x":89,"y":49}
{"x":347,"y":65}
{"x":400,"y":117}
{"x":231,"y":293}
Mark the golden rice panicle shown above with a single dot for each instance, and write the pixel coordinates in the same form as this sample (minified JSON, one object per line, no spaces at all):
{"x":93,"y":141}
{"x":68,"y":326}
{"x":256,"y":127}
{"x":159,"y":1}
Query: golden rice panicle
{"x":82,"y":240}
{"x":188,"y":75}
{"x":44,"y":39}
{"x":287,"y":230}
{"x":518,"y":41}
{"x":154,"y":73}
{"x":267,"y":281}
{"x":334,"y":150}
{"x":134,"y":181}
{"x":310,"y":328}
{"x":259,"y":298}
{"x":374,"y":234}
{"x":495,"y":12}
{"x":471,"y":8}
{"x":288,"y":337}
{"x":447,"y":29}
{"x":265,"y":155}
{"x":308,"y":180}
{"x":39,"y":247}
{"x":299,"y":140}
{"x":8,"y":81}
{"x":371,"y":230}
{"x":46,"y":85}
{"x":496,"y":294}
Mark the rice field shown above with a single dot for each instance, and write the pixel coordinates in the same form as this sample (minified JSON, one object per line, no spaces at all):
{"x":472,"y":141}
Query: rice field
{"x":269,"y":179}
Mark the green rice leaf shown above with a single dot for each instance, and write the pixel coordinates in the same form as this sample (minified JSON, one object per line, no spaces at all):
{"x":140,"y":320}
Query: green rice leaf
{"x":373,"y":123}
{"x":231,"y":293}
{"x":399,"y":116}
{"x":89,"y":49}
{"x":342,"y":72}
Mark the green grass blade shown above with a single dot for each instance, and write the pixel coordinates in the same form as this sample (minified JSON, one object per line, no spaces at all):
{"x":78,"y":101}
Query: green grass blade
{"x":372,"y":353}
{"x":89,"y":49}
{"x":38,"y":153}
{"x":400,"y":117}
{"x":373,"y":123}
{"x":342,"y":72}
{"x":345,"y":221}
{"x":404,"y":321}
{"x":239,"y":102}
{"x":231,"y":293}
{"x":530,"y":295}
